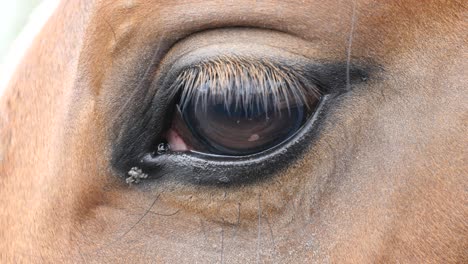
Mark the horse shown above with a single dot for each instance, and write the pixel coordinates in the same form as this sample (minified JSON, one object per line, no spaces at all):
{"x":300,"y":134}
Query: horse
{"x":146,"y":131}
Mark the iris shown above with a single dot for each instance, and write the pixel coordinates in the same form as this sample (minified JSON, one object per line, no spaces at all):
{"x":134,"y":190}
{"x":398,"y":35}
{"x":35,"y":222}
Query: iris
{"x":234,"y":129}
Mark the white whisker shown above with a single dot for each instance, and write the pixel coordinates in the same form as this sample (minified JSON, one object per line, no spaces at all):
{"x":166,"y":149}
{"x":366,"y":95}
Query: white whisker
{"x":350,"y":45}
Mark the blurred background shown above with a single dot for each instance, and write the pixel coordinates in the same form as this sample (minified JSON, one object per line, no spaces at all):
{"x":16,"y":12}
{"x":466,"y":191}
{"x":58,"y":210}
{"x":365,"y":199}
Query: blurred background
{"x":14,"y":15}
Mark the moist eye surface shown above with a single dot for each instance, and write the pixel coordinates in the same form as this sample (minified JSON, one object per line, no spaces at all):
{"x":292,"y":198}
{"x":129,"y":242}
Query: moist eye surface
{"x":235,"y":131}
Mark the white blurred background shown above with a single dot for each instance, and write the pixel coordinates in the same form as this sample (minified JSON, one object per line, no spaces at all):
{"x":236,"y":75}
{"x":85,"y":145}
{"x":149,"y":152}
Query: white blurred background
{"x":14,"y":15}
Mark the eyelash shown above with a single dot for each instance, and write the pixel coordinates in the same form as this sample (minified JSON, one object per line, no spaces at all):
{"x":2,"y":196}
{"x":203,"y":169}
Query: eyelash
{"x":245,"y":83}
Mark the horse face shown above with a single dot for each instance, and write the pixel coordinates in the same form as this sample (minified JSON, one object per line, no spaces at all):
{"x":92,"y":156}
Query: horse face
{"x":375,"y":172}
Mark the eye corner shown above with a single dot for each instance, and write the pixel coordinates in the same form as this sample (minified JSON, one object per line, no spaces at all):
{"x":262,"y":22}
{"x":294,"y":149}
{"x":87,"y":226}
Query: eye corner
{"x":332,"y":77}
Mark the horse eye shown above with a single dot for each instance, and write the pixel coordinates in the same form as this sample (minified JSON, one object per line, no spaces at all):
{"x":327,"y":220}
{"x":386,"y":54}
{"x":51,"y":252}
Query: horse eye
{"x":225,"y":120}
{"x":234,"y":117}
{"x":233,"y":129}
{"x":229,"y":120}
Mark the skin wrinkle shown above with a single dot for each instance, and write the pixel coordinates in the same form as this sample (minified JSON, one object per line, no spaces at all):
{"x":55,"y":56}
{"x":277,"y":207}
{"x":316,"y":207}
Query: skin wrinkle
{"x":222,"y":244}
{"x":382,"y":182}
{"x":139,"y":219}
{"x":272,"y":238}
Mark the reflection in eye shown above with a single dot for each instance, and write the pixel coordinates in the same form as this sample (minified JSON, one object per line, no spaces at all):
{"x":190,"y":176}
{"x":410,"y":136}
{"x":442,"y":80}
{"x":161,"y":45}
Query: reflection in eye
{"x":238,"y":107}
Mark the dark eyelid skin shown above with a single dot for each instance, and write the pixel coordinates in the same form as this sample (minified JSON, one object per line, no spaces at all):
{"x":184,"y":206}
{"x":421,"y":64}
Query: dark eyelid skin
{"x":142,"y":123}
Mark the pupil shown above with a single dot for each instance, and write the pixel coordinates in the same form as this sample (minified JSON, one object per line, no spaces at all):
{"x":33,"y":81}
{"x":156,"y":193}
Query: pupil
{"x":236,"y":129}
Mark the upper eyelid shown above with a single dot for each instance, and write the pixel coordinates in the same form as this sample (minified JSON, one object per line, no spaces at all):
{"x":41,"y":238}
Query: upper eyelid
{"x":326,"y":76}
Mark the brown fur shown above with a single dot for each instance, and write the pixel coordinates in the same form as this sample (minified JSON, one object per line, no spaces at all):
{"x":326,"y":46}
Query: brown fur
{"x":385,"y":180}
